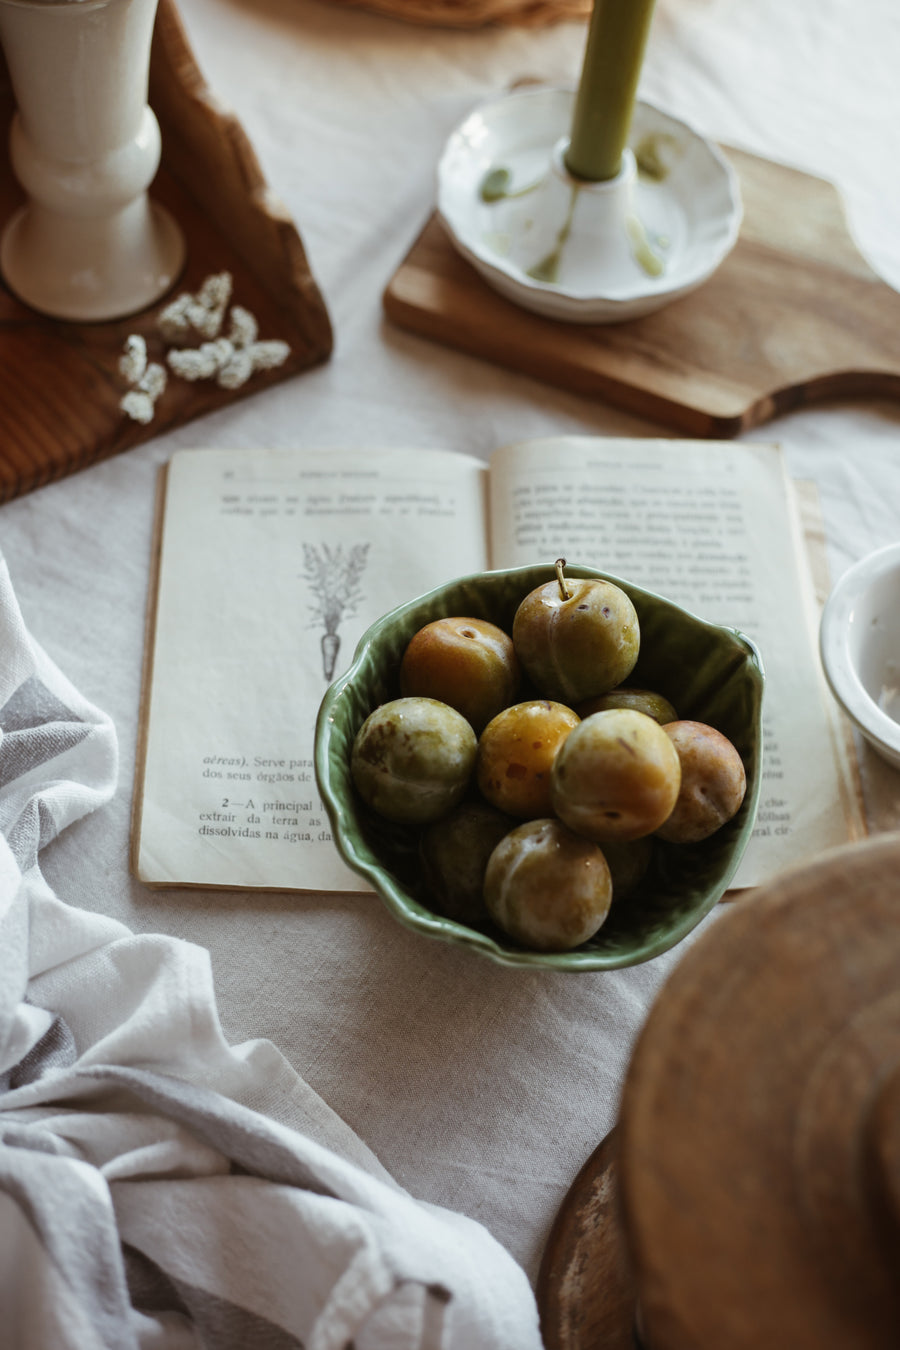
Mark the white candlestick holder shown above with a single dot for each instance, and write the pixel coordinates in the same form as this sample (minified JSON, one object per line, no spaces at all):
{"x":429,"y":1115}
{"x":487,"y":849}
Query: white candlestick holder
{"x":585,"y":252}
{"x":88,"y":244}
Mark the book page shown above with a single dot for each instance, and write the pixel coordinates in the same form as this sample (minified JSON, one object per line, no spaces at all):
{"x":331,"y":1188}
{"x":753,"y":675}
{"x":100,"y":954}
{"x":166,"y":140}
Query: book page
{"x":272,"y":565}
{"x":713,"y":527}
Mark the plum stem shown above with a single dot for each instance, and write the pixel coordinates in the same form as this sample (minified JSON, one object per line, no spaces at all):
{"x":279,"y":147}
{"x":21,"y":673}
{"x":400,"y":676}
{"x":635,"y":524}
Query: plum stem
{"x":560,"y":564}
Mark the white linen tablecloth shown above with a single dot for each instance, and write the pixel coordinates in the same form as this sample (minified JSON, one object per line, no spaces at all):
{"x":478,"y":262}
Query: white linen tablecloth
{"x":150,"y":1199}
{"x":479,"y":1088}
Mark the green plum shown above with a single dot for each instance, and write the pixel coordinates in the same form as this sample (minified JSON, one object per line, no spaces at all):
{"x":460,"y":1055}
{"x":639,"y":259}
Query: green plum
{"x":412,"y":759}
{"x":469,"y":663}
{"x":576,"y":637}
{"x":629,"y":862}
{"x":713,"y":783}
{"x":547,"y":887}
{"x":642,"y":700}
{"x":616,"y":776}
{"x":516,"y":751}
{"x":454,"y":854}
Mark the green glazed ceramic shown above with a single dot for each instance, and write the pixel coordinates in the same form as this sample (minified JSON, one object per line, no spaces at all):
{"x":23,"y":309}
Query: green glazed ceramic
{"x":709,"y":673}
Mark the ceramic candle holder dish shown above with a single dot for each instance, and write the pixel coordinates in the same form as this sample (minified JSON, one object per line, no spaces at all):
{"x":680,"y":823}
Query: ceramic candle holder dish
{"x":859,"y":639}
{"x":581,"y":251}
{"x":710,"y":673}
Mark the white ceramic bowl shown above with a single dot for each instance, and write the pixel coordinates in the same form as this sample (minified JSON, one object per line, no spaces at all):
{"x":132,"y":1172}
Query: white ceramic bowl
{"x":686,"y":213}
{"x":859,"y":640}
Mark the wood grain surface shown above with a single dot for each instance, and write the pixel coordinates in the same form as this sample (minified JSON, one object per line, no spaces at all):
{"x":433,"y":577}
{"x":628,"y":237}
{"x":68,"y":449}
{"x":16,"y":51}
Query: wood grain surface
{"x":59,"y":381}
{"x":757,"y":1154}
{"x":586,"y":1291}
{"x":793,"y":315}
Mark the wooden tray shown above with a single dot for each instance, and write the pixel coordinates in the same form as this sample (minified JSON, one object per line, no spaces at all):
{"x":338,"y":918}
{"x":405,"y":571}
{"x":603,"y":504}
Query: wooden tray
{"x":59,"y":381}
{"x":586,"y":1287}
{"x":793,"y":315}
{"x":478,"y":13}
{"x":749,"y":1194}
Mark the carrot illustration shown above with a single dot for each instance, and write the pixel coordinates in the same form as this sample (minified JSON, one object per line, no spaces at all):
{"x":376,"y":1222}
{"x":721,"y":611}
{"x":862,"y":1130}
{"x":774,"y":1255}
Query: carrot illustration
{"x":333,"y":575}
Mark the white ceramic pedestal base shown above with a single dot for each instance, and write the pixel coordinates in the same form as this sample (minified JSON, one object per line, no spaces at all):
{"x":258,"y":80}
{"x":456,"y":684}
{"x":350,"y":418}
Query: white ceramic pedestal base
{"x":586,"y":252}
{"x":88,"y":244}
{"x":89,"y":270}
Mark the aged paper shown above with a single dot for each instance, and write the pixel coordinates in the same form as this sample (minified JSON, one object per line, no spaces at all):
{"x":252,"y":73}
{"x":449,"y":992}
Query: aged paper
{"x":714,"y":528}
{"x":272,"y":566}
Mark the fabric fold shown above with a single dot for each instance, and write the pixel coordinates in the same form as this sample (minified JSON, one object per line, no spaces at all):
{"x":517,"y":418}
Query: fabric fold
{"x":145,"y":1201}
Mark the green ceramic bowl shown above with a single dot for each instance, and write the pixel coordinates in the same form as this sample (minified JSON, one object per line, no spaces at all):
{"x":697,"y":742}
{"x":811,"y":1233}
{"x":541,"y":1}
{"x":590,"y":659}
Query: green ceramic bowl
{"x":710,"y":673}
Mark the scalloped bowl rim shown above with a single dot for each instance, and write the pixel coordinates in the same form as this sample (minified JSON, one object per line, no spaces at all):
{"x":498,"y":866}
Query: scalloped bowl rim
{"x":394,"y":895}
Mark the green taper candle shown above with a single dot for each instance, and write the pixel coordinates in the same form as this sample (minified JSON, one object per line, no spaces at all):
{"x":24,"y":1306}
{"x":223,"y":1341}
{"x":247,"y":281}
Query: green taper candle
{"x":617,"y":36}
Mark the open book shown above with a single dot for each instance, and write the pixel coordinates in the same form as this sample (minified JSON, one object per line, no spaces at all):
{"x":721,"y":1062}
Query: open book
{"x":272,"y":563}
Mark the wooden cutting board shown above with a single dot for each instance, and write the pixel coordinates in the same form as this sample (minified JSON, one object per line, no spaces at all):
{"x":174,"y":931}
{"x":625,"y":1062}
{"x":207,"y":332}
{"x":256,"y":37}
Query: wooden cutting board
{"x":59,"y":381}
{"x":793,"y":315}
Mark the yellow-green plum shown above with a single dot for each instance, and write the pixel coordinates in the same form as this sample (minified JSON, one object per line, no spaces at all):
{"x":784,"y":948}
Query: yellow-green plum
{"x":469,"y":663}
{"x":576,"y":638}
{"x":629,"y":862}
{"x":646,"y":701}
{"x":516,"y":751}
{"x":616,"y":776}
{"x":412,"y":759}
{"x":454,"y":854}
{"x":713,"y":783}
{"x":548,"y":888}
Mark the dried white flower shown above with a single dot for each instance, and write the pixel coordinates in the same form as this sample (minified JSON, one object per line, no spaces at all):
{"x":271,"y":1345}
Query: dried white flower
{"x":153,"y":381}
{"x":237,"y":369}
{"x":207,"y":309}
{"x":268,"y":355}
{"x":206,"y":322}
{"x":246,"y":361}
{"x":173,"y":321}
{"x":137,"y":405}
{"x":216,"y":291}
{"x":202,"y":312}
{"x":133,"y":361}
{"x":147,"y":380}
{"x":229,"y":360}
{"x":244,"y":328}
{"x":200,"y":363}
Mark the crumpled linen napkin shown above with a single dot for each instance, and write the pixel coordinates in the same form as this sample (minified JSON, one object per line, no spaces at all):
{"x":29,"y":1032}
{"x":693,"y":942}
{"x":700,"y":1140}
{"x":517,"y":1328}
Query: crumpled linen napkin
{"x":144,"y":1202}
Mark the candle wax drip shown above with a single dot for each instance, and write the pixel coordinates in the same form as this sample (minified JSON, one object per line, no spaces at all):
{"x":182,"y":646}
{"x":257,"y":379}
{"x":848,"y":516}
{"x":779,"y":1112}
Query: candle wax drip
{"x":641,"y":251}
{"x":650,"y":162}
{"x":548,"y":267}
{"x":495,"y":186}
